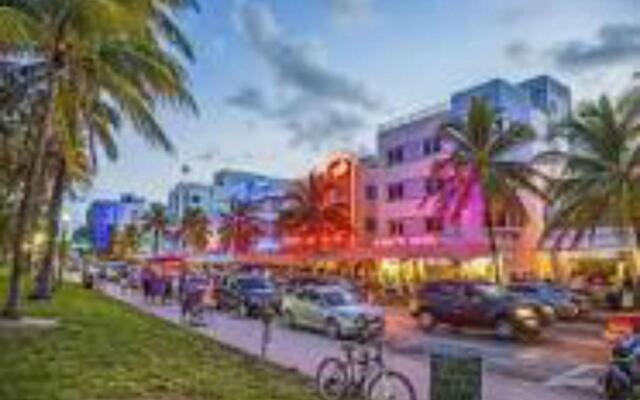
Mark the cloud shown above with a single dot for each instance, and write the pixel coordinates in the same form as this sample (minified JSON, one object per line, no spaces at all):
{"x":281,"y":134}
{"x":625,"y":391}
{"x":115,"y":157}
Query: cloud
{"x":614,"y":44}
{"x":351,"y":10}
{"x":519,"y":52}
{"x":316,"y":124}
{"x":525,"y":10}
{"x":316,"y":105}
{"x":312,"y":122}
{"x":294,"y":63}
{"x":249,"y":98}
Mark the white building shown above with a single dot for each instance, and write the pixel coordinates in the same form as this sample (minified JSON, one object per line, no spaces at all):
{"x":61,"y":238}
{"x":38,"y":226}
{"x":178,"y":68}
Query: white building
{"x":188,"y":195}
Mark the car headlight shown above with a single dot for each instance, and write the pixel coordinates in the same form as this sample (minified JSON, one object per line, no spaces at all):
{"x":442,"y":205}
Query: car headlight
{"x":548,"y":310}
{"x":524,"y":312}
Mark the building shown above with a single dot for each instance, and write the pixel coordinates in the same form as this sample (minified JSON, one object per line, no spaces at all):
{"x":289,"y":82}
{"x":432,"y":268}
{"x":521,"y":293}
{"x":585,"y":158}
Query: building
{"x":189,"y":195}
{"x":266,"y":192}
{"x":106,"y":216}
{"x":407,"y":228}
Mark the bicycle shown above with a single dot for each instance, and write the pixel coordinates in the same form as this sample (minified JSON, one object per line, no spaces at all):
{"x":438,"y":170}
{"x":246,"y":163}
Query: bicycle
{"x":362,"y":373}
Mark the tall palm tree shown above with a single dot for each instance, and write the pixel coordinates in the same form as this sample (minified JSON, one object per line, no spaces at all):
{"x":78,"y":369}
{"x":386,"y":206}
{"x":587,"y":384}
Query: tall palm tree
{"x":311,"y":213}
{"x":481,"y":160}
{"x":194,"y":229}
{"x":600,"y":183}
{"x":103,"y":61}
{"x":240,"y":227}
{"x":156,"y":222}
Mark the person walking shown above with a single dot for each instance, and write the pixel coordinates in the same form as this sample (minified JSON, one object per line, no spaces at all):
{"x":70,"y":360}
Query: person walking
{"x":145,"y":277}
{"x":267,"y":315}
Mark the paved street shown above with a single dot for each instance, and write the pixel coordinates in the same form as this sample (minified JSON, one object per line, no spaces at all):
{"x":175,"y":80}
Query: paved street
{"x":542,"y":371}
{"x":569,"y":355}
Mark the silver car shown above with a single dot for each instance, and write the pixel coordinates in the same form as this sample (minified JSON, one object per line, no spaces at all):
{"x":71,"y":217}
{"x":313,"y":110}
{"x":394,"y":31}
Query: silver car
{"x":331,"y":309}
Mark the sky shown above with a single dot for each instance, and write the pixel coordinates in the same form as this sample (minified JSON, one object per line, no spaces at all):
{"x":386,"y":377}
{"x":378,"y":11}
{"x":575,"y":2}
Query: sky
{"x":282,"y":83}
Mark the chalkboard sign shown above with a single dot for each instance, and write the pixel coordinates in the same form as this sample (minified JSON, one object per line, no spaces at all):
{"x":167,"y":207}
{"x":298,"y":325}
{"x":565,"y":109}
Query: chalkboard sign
{"x":456,"y":377}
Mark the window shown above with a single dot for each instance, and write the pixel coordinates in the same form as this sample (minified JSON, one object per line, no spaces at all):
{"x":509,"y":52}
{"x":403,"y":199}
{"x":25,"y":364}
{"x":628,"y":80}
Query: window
{"x":426,"y":147}
{"x":395,"y":156}
{"x":433,"y":186}
{"x":395,"y":191}
{"x":437,"y":144}
{"x":195,"y":199}
{"x":432,"y":224}
{"x":371,"y":192}
{"x":371,"y":225}
{"x":431,"y":146}
{"x":396,"y":228}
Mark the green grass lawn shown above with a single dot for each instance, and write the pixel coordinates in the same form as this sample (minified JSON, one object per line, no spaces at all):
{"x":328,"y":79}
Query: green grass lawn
{"x":106,"y":350}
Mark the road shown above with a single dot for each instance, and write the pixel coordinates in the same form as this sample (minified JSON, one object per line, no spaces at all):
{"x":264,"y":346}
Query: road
{"x":568,"y":355}
{"x":550,"y":370}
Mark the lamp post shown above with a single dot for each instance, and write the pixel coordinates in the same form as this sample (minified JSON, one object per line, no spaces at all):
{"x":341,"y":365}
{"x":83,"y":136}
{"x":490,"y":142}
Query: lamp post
{"x":65,"y":219}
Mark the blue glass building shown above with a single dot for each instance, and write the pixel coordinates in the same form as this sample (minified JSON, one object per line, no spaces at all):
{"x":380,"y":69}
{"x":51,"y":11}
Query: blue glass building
{"x":523,"y":102}
{"x":105,"y":216}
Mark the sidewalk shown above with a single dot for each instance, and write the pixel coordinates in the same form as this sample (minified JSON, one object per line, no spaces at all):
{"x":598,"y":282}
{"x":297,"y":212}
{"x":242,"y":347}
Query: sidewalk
{"x":302,"y":352}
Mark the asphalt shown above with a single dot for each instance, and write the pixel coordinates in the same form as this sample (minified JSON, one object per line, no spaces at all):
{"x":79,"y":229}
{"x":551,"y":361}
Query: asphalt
{"x":511,"y":371}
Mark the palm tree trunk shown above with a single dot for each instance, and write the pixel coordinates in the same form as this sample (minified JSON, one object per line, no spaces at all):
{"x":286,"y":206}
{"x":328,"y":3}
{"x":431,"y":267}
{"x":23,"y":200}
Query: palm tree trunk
{"x":491,"y":237}
{"x":44,"y":278}
{"x":12,"y":307}
{"x":629,"y":228}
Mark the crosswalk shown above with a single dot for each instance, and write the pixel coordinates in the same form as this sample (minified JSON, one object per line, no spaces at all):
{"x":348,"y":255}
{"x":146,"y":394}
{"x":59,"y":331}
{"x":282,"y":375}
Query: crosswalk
{"x":581,"y":377}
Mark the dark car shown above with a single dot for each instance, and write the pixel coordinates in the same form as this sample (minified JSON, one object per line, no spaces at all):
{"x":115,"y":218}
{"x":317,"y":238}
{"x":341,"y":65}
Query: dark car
{"x":247,"y":294}
{"x":472,"y":304}
{"x":561,"y":301}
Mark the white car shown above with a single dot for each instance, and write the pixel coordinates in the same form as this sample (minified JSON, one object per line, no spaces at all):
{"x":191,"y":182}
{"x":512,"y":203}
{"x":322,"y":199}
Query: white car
{"x":331,"y":309}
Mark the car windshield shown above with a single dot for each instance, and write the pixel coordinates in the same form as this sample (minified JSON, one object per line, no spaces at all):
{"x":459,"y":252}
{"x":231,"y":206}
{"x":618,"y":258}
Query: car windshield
{"x":339,"y":298}
{"x":254,"y":284}
{"x":492,"y":291}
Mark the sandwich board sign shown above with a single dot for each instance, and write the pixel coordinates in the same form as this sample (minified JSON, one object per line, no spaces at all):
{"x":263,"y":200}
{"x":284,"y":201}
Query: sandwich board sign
{"x":456,"y":375}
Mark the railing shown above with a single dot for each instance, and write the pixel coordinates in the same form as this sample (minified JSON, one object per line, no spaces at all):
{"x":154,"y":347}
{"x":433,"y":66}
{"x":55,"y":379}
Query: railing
{"x":412,"y":117}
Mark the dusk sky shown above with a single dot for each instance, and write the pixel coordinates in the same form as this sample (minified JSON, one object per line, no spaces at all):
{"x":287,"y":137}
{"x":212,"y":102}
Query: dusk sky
{"x":281,"y":83}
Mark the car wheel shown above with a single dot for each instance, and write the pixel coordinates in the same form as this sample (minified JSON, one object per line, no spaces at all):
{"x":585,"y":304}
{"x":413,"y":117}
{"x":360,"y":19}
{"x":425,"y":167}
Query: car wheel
{"x":504,"y":329}
{"x":290,"y":319}
{"x":332,"y":328}
{"x":427,"y":321}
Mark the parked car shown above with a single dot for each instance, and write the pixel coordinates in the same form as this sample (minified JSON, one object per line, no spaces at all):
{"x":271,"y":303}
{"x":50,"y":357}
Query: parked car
{"x":247,"y":294}
{"x":561,"y":301}
{"x":296,"y":283}
{"x":331,"y":309}
{"x":474,"y":304}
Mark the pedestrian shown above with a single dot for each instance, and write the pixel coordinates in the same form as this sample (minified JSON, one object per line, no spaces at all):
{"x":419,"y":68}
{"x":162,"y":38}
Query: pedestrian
{"x":267,"y":315}
{"x":167,"y":290}
{"x":157,"y":288}
{"x":146,"y":284}
{"x":123,"y":280}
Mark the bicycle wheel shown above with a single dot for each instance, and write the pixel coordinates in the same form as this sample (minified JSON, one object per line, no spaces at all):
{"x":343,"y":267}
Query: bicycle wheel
{"x":332,"y":379}
{"x":390,"y":385}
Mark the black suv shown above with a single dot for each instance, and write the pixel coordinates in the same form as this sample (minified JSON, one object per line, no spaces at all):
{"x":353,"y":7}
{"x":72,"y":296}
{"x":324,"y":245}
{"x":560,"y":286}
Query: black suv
{"x":474,"y":304}
{"x":248,"y":294}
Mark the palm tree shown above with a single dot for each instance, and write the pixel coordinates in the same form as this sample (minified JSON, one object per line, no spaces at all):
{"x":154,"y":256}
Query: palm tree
{"x":481,"y":160}
{"x":194,"y":229}
{"x":240,"y":227}
{"x":311,"y":213}
{"x":156,"y":222}
{"x":125,"y":243}
{"x":103,"y":61}
{"x":69,"y":166}
{"x":600,"y":183}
